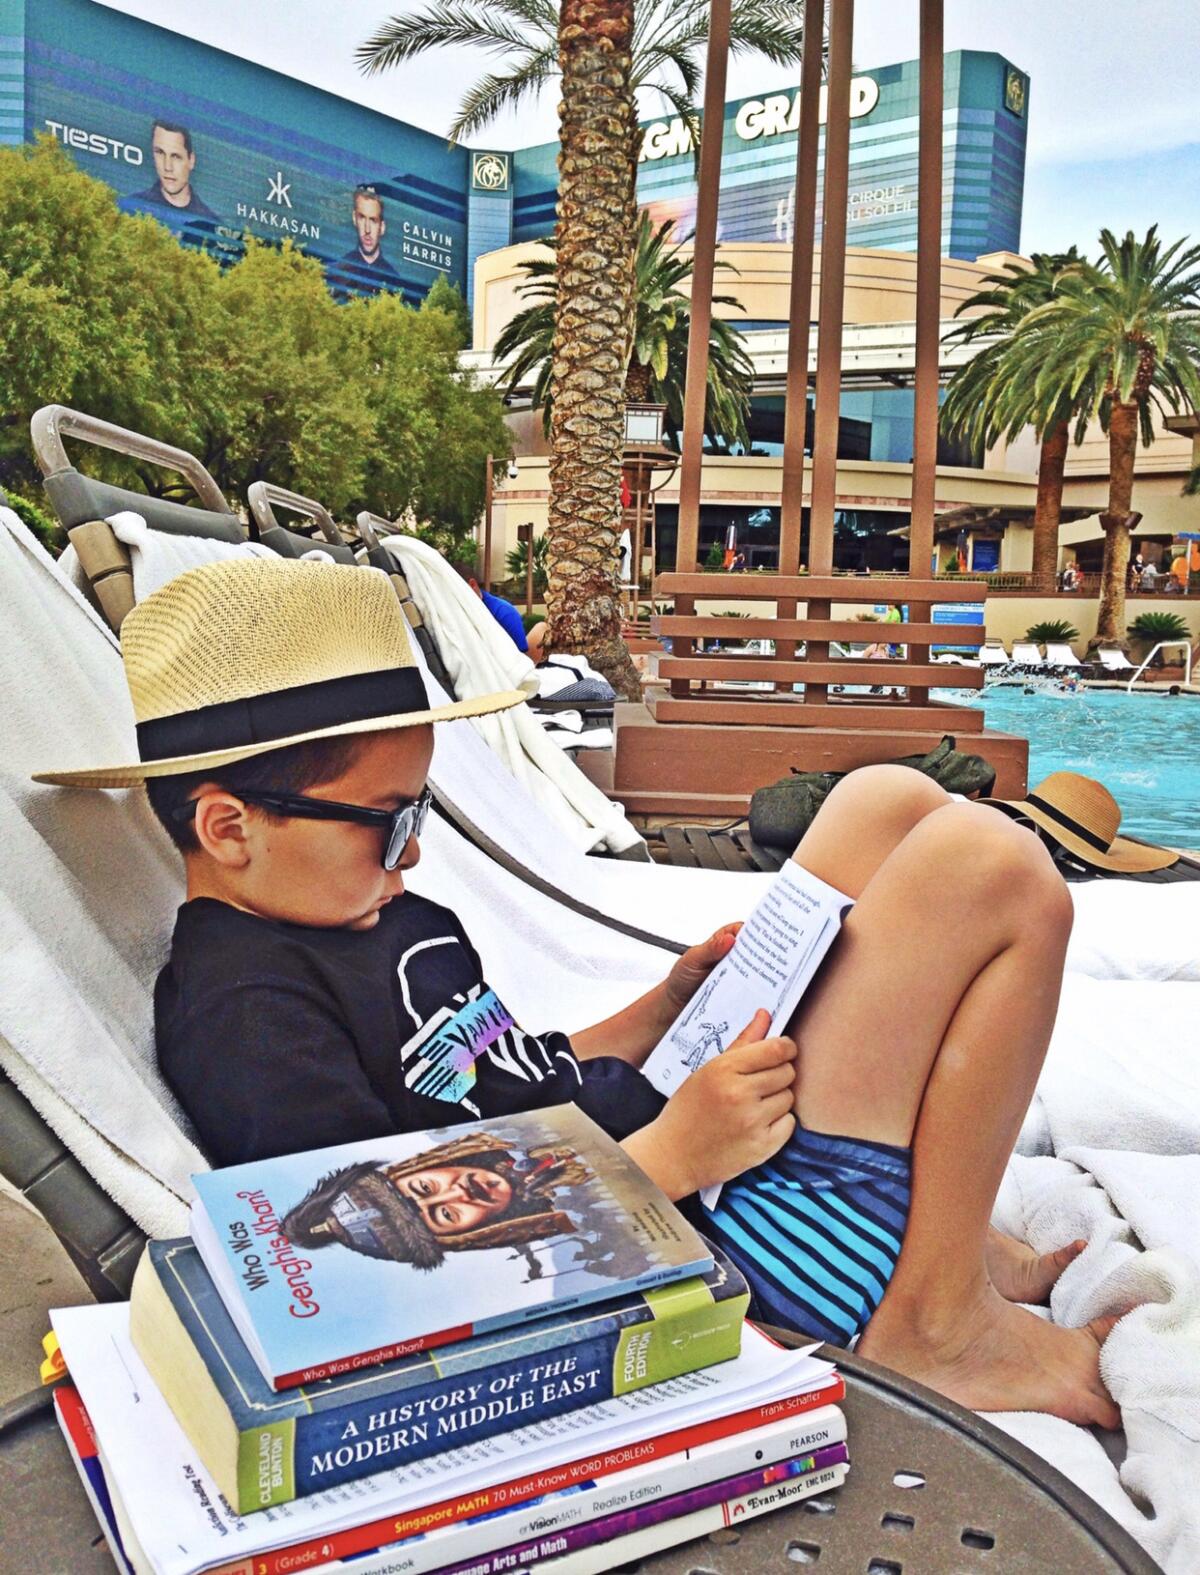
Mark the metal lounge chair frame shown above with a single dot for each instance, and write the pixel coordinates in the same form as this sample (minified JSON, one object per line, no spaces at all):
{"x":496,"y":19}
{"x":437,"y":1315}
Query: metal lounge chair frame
{"x":83,"y":504}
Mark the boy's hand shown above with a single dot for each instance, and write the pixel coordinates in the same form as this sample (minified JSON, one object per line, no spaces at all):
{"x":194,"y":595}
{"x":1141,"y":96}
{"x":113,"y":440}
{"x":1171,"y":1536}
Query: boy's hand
{"x":693,"y":968}
{"x":731,"y":1115}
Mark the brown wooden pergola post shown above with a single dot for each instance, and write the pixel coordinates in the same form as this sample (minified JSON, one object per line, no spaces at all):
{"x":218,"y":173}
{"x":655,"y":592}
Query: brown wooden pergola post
{"x":704,"y":252}
{"x":795,"y":422}
{"x":929,"y":313}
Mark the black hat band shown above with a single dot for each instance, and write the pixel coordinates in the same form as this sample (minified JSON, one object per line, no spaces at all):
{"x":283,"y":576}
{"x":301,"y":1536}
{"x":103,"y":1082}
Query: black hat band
{"x":1065,"y":821}
{"x":284,"y":713}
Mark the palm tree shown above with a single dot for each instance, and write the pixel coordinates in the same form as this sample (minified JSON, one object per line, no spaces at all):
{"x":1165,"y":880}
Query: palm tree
{"x":1123,"y":335}
{"x":604,"y":56}
{"x":993,"y":396}
{"x":658,"y":358}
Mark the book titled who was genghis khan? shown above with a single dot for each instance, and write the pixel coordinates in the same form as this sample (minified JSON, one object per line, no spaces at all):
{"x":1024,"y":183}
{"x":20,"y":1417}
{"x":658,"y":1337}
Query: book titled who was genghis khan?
{"x":348,"y":1256}
{"x":342,"y":1257}
{"x":263,"y":1447}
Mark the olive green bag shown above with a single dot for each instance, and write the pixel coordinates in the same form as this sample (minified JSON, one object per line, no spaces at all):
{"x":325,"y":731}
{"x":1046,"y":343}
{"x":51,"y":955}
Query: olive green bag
{"x":781,"y":813}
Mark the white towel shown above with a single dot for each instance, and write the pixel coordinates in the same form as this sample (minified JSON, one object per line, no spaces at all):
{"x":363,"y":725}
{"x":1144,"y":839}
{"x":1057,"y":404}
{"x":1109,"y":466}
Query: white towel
{"x":88,"y":890}
{"x":157,"y":556}
{"x":1139,"y":1215}
{"x":481,"y":659}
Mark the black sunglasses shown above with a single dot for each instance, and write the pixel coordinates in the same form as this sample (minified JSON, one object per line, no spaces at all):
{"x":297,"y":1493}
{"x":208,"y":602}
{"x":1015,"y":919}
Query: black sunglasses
{"x":402,"y":824}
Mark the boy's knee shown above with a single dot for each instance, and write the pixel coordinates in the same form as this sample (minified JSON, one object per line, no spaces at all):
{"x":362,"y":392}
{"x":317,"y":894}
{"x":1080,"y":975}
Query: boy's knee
{"x":896,"y":792}
{"x":1008,"y":866}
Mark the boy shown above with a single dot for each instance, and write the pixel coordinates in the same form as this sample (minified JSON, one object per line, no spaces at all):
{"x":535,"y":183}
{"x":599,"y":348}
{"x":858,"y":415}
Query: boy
{"x":285,"y":740}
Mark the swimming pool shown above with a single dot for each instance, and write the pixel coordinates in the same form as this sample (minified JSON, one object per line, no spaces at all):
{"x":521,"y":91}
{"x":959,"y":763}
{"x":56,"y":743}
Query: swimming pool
{"x":1144,"y":748}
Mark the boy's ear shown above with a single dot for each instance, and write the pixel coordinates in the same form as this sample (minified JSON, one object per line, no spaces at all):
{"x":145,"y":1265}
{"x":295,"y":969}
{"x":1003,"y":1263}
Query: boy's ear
{"x":221,"y":824}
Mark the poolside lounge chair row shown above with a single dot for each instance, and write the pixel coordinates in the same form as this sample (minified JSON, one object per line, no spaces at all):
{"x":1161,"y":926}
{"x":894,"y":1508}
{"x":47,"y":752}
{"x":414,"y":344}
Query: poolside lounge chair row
{"x":1025,"y":653}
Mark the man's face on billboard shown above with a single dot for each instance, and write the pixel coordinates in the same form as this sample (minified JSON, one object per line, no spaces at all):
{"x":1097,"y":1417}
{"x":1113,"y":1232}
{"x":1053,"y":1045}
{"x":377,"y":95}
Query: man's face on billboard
{"x":368,"y":221}
{"x":455,"y":1198}
{"x":173,"y":162}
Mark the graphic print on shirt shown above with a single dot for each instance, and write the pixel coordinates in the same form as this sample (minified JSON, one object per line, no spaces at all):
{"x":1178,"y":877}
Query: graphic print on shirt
{"x":439,"y":1059}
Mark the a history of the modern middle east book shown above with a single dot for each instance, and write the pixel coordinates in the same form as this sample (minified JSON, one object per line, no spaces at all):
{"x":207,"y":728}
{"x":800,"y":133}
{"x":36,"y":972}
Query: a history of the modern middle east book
{"x":366,"y":1251}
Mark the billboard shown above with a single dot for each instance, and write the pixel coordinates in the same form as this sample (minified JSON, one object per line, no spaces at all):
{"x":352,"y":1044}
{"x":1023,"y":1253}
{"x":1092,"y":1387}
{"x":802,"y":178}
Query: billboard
{"x":983,"y":163}
{"x":218,"y":148}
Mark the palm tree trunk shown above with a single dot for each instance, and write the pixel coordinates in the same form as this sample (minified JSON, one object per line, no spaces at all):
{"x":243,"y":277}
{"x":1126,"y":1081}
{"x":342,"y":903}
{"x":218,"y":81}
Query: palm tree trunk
{"x":595,"y":244}
{"x":1051,"y":465}
{"x":1118,"y":521}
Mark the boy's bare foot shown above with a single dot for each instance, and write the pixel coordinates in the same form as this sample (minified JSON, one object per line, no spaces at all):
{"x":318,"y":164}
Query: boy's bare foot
{"x":993,"y":1356}
{"x":1022,"y":1275}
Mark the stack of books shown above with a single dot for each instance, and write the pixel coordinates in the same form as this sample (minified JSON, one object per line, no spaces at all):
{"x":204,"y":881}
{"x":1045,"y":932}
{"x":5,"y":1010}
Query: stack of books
{"x":496,"y":1347}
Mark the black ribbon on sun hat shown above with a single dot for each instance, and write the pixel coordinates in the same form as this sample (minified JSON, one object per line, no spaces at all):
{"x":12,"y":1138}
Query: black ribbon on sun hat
{"x":1069,"y":823}
{"x":283,"y":713}
{"x":1083,"y":818}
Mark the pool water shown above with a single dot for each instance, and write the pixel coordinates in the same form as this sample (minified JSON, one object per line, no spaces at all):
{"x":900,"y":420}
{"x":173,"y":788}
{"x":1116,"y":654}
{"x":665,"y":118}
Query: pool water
{"x":1144,"y":748}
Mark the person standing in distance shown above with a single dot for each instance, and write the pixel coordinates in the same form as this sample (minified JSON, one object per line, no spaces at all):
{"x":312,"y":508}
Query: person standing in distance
{"x":174,"y":161}
{"x":371,"y":226}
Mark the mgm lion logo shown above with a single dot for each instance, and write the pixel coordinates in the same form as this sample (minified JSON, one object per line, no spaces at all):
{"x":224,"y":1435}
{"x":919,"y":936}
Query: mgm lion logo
{"x":489,"y":172}
{"x":1014,"y":92}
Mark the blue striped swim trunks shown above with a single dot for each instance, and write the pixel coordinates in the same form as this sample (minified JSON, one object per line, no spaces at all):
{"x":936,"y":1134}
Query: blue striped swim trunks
{"x":817,"y":1231}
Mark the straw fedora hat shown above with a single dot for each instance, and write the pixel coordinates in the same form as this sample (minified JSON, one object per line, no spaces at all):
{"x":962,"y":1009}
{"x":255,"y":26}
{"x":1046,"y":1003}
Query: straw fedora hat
{"x":1083,"y":817}
{"x":253,"y":654}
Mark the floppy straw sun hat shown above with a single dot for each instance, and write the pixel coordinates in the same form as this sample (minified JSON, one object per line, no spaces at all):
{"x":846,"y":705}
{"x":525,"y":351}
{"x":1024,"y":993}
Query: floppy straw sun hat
{"x":1083,"y":817}
{"x":237,"y":658}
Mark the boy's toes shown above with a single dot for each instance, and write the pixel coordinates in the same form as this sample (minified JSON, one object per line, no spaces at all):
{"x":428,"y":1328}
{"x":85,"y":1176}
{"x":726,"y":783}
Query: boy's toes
{"x":1066,"y":1255}
{"x":1105,"y":1410}
{"x":1101,"y":1328}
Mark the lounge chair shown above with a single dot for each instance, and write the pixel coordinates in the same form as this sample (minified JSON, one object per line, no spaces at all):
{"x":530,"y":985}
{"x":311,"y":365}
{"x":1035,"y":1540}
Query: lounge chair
{"x":993,"y":654}
{"x":1059,"y":654}
{"x":1114,"y":659}
{"x":1026,"y":654}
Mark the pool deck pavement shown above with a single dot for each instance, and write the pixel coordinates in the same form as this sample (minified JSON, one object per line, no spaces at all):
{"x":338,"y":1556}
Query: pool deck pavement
{"x":35,"y":1275}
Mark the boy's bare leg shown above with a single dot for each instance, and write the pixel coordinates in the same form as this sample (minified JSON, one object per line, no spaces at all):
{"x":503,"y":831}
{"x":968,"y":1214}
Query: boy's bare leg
{"x":861,"y":824}
{"x":929,"y":1025}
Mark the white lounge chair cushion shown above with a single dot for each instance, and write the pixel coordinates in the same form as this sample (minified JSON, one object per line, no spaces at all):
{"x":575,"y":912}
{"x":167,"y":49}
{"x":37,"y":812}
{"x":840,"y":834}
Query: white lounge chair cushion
{"x":1127,"y":929}
{"x":1026,"y":652}
{"x":1115,"y":659}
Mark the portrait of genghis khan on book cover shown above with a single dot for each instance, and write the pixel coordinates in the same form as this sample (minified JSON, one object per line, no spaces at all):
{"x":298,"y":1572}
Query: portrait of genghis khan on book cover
{"x":465,"y":1195}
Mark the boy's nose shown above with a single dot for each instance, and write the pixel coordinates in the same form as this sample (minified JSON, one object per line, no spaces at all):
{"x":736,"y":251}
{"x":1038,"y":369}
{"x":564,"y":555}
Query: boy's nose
{"x":411,"y":854}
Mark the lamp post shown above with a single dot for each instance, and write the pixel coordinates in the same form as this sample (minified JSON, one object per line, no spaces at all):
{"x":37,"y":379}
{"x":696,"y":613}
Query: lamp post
{"x":490,"y":482}
{"x":525,"y":537}
{"x":485,"y":568}
{"x":644,"y":452}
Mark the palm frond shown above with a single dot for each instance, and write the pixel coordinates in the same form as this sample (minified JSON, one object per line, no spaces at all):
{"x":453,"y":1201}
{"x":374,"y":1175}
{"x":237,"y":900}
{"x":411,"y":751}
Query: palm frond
{"x":446,"y":24}
{"x":500,"y":91}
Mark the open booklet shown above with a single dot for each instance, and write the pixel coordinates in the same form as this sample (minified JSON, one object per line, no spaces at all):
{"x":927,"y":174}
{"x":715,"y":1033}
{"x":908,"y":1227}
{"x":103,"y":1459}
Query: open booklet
{"x":778,"y":950}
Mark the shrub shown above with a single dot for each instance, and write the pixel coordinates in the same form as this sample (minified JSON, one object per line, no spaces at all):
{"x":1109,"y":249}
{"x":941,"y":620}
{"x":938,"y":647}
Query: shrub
{"x":43,"y":524}
{"x":1057,"y":629}
{"x":716,"y":558}
{"x":1151,"y":627}
{"x":514,"y":562}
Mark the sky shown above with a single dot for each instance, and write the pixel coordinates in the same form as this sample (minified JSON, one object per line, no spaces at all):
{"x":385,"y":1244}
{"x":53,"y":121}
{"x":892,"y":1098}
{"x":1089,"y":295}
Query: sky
{"x":1114,"y":133}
